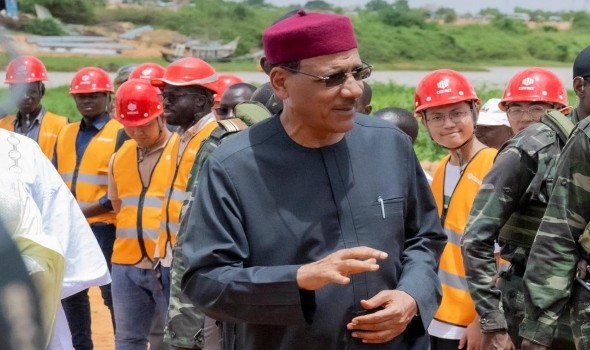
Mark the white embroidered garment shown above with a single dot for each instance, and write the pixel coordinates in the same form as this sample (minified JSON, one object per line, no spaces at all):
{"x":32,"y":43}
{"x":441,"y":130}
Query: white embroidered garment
{"x":61,"y":218}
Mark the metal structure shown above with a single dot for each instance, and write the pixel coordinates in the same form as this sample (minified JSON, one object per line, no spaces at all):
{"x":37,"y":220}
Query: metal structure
{"x":206,"y":50}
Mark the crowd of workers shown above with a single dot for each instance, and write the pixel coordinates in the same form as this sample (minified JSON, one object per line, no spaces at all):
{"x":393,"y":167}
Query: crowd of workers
{"x":316,"y":227}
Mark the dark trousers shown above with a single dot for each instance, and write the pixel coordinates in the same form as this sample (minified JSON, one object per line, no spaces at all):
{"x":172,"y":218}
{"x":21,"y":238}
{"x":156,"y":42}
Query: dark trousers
{"x":105,"y":235}
{"x":444,"y":344}
{"x":77,"y":306}
{"x":77,"y":309}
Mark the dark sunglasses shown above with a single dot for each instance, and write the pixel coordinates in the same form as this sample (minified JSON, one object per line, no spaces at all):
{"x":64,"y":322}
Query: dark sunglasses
{"x":172,"y":97}
{"x":222,"y":111}
{"x":339,"y":78}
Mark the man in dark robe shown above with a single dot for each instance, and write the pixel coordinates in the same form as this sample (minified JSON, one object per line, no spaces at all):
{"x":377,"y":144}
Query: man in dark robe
{"x":315,"y":229}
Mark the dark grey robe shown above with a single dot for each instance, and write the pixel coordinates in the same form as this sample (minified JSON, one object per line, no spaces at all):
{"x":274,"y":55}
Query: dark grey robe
{"x":266,"y":205}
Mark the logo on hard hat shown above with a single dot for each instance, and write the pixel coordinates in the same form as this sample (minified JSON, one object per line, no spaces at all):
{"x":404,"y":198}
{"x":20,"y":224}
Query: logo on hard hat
{"x":146,"y":72}
{"x":132,"y":108}
{"x":443,"y":86}
{"x":22,"y":69}
{"x":526,"y":84}
{"x":85,"y":79}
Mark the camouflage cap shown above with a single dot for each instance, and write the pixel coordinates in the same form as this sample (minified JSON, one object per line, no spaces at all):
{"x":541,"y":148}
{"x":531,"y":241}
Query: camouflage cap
{"x":251,"y":112}
{"x":123,"y":74}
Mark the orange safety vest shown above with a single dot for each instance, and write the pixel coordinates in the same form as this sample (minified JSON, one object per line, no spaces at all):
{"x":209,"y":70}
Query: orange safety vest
{"x":51,"y":124}
{"x":139,"y":218}
{"x":457,"y":307}
{"x":178,"y":181}
{"x":88,"y":179}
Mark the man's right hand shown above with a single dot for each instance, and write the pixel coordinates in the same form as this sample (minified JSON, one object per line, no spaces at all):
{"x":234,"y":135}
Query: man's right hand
{"x":529,"y":345}
{"x":336,"y":267}
{"x":499,"y":340}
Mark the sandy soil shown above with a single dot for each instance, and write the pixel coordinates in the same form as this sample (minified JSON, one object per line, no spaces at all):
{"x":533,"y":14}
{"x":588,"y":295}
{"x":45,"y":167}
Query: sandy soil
{"x":102,"y":328}
{"x":148,"y":45}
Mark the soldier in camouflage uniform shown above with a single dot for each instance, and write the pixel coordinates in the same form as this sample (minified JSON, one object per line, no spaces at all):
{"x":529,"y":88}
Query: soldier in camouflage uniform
{"x":552,"y":285}
{"x":511,"y":201}
{"x":185,"y":324}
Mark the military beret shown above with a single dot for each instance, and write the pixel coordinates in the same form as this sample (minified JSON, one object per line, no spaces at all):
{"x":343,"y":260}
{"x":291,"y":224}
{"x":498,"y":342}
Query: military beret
{"x":307,"y":34}
{"x":582,"y":63}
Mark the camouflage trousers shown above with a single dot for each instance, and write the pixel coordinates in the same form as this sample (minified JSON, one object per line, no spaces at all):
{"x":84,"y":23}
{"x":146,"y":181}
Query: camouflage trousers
{"x":184,"y":323}
{"x":580,"y":316}
{"x":512,"y":288}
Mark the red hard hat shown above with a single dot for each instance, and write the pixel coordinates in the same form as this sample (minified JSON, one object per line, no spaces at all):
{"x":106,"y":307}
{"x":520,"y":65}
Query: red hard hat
{"x":535,"y":85}
{"x":442,"y":87}
{"x":25,"y":69}
{"x":91,"y":79}
{"x":137,"y":102}
{"x":189,"y":71}
{"x":225,"y":81}
{"x":147,"y":71}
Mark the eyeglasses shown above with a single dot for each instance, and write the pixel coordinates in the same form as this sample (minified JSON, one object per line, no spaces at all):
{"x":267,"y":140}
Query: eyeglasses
{"x":438,"y":119}
{"x":223,"y":111}
{"x":172,"y":98}
{"x":535,"y":112}
{"x":339,"y":78}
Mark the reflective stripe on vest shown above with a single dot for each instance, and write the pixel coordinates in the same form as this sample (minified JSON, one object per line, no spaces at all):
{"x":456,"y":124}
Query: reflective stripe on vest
{"x":91,"y":179}
{"x":177,"y":183}
{"x":51,"y":125}
{"x":89,"y":176}
{"x":138,"y":220}
{"x":457,"y":307}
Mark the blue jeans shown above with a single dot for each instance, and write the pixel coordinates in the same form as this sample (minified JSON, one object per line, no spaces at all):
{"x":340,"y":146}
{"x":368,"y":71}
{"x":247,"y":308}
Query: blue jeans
{"x":105,"y":236}
{"x":165,"y":272}
{"x":137,"y":296}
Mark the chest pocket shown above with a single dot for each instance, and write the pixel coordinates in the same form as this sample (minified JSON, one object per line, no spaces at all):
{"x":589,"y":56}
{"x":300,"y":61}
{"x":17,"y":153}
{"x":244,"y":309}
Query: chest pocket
{"x":380,"y":224}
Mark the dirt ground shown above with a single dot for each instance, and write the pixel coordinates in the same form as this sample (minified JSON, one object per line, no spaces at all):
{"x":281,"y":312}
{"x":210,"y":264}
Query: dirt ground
{"x":149,"y":44}
{"x":102,"y":328}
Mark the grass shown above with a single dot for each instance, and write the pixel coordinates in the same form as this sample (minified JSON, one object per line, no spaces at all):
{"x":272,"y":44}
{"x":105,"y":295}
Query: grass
{"x":111,"y":64}
{"x":57,"y":100}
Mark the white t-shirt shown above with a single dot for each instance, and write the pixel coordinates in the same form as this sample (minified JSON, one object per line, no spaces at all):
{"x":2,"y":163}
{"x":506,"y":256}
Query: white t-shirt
{"x":437,"y":328}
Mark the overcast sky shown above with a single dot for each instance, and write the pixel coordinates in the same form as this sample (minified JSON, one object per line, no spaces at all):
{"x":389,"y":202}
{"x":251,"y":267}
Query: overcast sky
{"x":472,"y":6}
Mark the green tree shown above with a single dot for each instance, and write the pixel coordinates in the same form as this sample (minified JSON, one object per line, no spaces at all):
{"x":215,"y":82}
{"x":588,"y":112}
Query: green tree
{"x":318,"y":5}
{"x":490,"y":12}
{"x":401,"y":5}
{"x":510,"y":25}
{"x":447,"y":14}
{"x":581,"y":21}
{"x":400,"y":15}
{"x":257,"y":3}
{"x":69,"y":11}
{"x":376,"y":5}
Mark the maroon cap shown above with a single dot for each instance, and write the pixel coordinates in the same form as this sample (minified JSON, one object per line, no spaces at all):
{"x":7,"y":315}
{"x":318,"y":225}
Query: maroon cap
{"x":307,"y":34}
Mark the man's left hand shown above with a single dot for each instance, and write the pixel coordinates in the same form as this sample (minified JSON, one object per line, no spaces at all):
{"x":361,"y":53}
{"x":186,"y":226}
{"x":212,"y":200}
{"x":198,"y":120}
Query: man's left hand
{"x":529,"y":345}
{"x":472,"y":336}
{"x":398,"y":309}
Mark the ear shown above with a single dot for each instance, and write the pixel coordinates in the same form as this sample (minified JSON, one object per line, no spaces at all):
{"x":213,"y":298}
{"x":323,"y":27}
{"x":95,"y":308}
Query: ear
{"x":423,"y":119}
{"x":279,"y":82}
{"x":368,"y":109}
{"x":42,"y":88}
{"x":579,"y":86}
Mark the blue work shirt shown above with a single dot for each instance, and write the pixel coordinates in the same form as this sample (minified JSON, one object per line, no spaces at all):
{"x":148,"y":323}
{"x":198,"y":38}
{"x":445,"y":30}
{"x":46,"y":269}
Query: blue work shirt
{"x":86,"y":133}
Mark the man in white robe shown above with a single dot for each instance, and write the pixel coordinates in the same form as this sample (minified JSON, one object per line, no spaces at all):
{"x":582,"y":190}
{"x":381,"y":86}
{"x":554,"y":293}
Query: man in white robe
{"x":21,"y":160}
